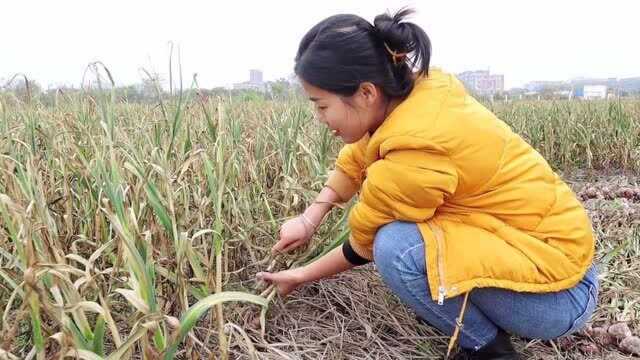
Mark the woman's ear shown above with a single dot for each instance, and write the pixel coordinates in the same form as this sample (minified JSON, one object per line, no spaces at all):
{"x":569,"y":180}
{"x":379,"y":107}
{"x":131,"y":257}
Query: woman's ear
{"x":369,"y":92}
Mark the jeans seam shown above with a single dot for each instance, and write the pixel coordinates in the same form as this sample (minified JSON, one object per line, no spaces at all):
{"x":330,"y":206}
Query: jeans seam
{"x":438,"y":313}
{"x":409,"y":249}
{"x":574,"y":324}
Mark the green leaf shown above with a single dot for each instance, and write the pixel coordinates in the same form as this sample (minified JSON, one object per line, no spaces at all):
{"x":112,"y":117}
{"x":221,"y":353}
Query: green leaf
{"x":98,"y":336}
{"x":137,"y":332}
{"x":158,"y":208}
{"x":79,"y":339}
{"x":194,"y":313}
{"x":36,"y":323}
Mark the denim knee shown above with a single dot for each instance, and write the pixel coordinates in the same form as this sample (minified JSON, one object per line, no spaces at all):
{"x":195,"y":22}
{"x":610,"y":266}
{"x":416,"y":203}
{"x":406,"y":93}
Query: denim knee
{"x":383,"y":252}
{"x":392,"y":240}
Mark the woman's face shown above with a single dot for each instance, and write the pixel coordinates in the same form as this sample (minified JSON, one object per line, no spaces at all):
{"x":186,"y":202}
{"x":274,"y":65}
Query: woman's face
{"x":349,"y":118}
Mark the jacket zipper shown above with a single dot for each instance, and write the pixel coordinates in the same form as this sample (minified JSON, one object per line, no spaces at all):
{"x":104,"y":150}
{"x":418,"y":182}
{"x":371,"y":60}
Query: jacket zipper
{"x":442,"y":290}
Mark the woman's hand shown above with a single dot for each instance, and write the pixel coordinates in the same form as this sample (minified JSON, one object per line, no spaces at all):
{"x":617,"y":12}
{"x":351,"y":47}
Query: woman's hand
{"x":293,"y":233}
{"x":330,"y":264}
{"x":298,"y":231}
{"x":285,"y":281}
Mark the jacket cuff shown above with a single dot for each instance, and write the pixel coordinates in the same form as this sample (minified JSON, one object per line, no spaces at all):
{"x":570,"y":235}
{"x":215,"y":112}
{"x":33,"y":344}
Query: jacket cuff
{"x":353,"y":256}
{"x":342,"y":184}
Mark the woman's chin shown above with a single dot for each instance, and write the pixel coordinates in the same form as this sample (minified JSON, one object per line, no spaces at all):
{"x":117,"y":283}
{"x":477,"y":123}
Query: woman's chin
{"x":345,"y":139}
{"x":349,"y":139}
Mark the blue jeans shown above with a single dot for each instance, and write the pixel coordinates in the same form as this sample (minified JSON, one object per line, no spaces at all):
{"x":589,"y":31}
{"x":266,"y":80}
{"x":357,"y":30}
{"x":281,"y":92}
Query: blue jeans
{"x":399,"y":256}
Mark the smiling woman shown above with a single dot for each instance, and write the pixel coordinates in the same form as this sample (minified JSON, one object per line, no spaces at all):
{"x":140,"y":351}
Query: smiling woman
{"x":451,"y":199}
{"x":350,"y":118}
{"x":348,"y":68}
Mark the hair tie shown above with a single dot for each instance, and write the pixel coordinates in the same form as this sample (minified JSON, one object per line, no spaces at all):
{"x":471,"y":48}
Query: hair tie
{"x":395,"y":55}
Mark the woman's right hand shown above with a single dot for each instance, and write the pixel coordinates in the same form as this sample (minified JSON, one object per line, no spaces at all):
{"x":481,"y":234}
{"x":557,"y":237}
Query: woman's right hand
{"x":293,"y":233}
{"x":285,"y":281}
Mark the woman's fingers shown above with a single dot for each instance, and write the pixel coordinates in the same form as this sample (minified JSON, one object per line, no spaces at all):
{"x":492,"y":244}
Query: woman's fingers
{"x":284,"y":246}
{"x":285,"y":281}
{"x":281,"y":245}
{"x":294,"y":245}
{"x":267,"y":276}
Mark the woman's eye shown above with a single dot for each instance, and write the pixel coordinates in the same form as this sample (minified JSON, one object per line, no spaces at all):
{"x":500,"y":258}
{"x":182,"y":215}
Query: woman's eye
{"x":322,"y":108}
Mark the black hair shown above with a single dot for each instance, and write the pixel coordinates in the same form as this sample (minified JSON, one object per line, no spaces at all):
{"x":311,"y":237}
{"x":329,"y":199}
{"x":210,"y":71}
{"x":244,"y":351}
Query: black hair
{"x":343,"y":51}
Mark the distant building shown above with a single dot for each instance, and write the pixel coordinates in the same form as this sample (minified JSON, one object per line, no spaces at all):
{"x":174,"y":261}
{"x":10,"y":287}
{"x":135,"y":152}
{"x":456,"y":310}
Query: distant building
{"x":255,"y":82}
{"x":482,"y":82}
{"x":538,"y":86}
{"x":255,"y":76}
{"x":248,"y":86}
{"x":629,"y":85}
{"x":563,"y":94}
{"x":591,"y":88}
{"x":588,"y":88}
{"x":591,"y":92}
{"x":608,"y":82}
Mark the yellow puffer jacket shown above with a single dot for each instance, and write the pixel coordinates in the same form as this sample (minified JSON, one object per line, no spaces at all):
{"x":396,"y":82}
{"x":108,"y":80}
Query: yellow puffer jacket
{"x":490,"y":209}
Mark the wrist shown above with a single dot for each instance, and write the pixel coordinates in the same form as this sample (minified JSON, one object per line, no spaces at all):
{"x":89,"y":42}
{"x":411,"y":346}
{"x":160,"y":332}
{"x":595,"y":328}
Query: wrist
{"x":314,"y":215}
{"x":309,"y":225}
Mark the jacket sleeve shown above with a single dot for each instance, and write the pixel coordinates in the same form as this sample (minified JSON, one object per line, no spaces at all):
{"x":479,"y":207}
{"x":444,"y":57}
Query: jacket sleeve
{"x":406,"y":185}
{"x":346,"y":179}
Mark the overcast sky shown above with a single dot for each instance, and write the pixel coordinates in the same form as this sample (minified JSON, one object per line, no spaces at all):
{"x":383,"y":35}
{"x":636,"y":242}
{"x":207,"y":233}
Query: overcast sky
{"x":53,"y":41}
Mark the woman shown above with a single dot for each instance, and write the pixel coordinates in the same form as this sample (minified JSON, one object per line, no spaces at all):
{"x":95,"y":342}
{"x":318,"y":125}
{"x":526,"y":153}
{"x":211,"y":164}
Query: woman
{"x":467,"y":224}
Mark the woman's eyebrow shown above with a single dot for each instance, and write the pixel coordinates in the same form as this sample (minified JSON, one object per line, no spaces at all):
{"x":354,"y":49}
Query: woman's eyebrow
{"x":314,"y":99}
